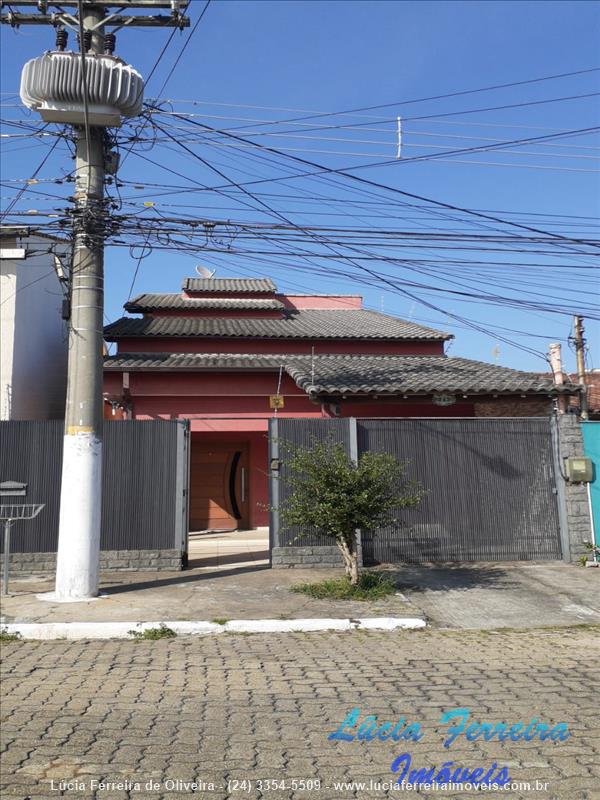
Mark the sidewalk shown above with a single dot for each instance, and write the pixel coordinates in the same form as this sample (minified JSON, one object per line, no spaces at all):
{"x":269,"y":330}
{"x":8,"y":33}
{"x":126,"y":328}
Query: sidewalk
{"x":228,"y":579}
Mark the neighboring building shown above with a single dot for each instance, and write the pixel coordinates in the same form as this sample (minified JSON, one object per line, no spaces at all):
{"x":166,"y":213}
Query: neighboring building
{"x":592,"y":382}
{"x":33,"y":333}
{"x":229,"y":354}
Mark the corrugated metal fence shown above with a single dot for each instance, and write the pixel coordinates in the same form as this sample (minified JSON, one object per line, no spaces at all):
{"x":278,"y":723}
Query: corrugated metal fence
{"x":143,"y":491}
{"x":490,"y":486}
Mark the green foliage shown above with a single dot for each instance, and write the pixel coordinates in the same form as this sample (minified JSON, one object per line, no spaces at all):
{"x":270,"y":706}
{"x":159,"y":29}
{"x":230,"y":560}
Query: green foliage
{"x":152,"y":634}
{"x":220,"y":620}
{"x":336,"y":496}
{"x":370,"y":586}
{"x":5,"y":636}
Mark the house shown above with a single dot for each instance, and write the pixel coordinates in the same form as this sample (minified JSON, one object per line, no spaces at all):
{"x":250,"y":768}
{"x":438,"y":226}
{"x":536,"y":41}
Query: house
{"x":592,"y":382}
{"x":33,"y":330}
{"x":229,"y":354}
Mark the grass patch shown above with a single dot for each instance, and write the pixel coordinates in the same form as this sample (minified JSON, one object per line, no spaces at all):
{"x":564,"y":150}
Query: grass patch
{"x":220,"y":620}
{"x":371,"y":586}
{"x":5,"y":636}
{"x":152,"y":634}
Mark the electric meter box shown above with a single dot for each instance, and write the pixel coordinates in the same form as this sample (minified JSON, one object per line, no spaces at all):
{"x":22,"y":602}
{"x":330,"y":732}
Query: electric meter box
{"x":579,"y":469}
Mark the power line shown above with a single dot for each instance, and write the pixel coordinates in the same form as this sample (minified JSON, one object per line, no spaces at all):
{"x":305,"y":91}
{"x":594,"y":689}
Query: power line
{"x":366,"y":181}
{"x":26,"y":187}
{"x":182,"y":51}
{"x":317,"y":115}
{"x":356,"y":264}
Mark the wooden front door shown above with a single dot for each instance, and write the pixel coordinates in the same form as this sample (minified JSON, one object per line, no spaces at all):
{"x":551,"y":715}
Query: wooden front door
{"x":219,"y":486}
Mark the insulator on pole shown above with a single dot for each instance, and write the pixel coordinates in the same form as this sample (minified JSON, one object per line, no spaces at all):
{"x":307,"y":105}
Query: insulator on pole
{"x":62,"y":37}
{"x":110,"y":42}
{"x":87,"y":41}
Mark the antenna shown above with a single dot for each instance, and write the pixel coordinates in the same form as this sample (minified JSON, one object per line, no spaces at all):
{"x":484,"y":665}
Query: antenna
{"x":204,"y":272}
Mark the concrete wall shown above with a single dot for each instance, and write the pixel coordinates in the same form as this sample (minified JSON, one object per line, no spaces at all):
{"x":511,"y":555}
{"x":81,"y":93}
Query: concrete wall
{"x":33,"y":347}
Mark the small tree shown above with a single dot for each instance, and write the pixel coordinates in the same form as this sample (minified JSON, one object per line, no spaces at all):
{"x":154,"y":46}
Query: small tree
{"x":337,"y":496}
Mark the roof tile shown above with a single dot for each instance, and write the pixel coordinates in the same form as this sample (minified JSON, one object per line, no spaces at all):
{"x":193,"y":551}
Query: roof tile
{"x":304,"y":324}
{"x":157,"y":302}
{"x":238,"y":285}
{"x":362,"y":375}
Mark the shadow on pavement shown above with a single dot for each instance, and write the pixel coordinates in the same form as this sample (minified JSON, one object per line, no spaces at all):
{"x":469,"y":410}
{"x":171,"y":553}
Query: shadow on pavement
{"x":180,"y":578}
{"x":441,"y":578}
{"x":233,"y":558}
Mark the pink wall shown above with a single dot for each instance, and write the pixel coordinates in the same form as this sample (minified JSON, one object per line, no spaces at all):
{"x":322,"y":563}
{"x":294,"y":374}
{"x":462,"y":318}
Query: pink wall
{"x":235,"y":406}
{"x":329,"y":301}
{"x":181,"y":395}
{"x":221,"y":313}
{"x":163,"y":344}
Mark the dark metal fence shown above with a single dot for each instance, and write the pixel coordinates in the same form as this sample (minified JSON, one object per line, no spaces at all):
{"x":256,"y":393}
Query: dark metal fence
{"x":144,"y":481}
{"x":490,"y":487}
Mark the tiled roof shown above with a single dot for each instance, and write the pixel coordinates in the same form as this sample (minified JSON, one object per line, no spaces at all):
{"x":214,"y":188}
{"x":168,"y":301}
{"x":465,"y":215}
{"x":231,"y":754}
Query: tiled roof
{"x":156,"y":302}
{"x":305,"y":324}
{"x":238,"y":285}
{"x":413,"y":374}
{"x":339,"y":374}
{"x":193,"y":361}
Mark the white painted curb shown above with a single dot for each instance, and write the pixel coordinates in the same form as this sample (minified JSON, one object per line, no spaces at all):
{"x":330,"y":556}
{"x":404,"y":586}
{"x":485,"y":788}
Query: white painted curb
{"x":121,"y":630}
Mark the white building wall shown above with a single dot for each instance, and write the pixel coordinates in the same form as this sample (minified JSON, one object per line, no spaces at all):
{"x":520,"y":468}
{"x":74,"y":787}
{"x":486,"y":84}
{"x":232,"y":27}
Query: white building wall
{"x":33,"y":346}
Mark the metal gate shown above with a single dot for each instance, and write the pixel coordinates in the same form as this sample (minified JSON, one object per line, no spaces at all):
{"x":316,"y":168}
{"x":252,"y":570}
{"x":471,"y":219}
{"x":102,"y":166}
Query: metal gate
{"x":144,"y":483}
{"x":491,"y":489}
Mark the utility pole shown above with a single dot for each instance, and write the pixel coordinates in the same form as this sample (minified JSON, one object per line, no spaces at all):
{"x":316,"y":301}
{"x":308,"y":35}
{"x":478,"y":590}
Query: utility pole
{"x":81,"y":488}
{"x":78,"y":556}
{"x":580,"y":351}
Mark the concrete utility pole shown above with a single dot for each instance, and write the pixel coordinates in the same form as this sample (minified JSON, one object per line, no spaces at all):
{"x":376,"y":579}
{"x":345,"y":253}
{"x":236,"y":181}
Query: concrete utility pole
{"x":78,"y":556}
{"x":580,"y":350}
{"x":52,"y":95}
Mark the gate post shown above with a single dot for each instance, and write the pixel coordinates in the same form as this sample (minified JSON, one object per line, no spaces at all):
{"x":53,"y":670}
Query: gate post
{"x":353,"y":447}
{"x":273,"y":486}
{"x":182,"y":490}
{"x":560,"y":491}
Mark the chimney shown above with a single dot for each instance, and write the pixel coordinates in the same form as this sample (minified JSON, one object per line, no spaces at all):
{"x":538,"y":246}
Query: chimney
{"x":554,"y":351}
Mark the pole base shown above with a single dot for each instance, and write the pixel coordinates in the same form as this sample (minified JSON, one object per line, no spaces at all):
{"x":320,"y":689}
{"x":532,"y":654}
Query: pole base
{"x":78,"y":556}
{"x":52,"y":597}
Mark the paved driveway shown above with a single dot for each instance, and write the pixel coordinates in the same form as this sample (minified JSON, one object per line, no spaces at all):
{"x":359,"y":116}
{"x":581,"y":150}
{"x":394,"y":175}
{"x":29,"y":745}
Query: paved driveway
{"x":250,"y":715}
{"x":504,"y":595}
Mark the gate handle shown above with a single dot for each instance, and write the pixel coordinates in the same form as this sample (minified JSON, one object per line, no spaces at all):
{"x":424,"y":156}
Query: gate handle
{"x":243,"y":484}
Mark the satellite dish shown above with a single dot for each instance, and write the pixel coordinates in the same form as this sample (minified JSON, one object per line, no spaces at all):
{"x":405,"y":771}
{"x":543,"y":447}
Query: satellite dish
{"x":203,"y":272}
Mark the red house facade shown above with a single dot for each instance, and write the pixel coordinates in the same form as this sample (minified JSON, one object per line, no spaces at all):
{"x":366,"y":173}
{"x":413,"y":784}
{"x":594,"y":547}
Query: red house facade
{"x":229,"y":354}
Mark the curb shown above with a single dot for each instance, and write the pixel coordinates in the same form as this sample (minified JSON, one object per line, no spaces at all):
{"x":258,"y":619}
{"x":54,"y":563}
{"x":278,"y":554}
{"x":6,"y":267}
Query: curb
{"x":121,"y":630}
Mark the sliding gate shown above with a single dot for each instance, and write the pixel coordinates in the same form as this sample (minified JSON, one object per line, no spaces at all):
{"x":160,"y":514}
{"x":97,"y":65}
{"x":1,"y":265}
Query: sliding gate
{"x":490,"y":486}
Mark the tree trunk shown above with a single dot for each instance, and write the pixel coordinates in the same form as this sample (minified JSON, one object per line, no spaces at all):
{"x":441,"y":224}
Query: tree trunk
{"x":350,"y":556}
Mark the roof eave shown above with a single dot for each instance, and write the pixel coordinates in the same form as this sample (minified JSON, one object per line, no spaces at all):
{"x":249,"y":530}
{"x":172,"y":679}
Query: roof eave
{"x":326,"y":392}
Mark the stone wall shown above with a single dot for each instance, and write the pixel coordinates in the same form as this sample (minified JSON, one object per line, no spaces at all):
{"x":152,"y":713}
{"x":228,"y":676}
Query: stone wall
{"x":28,"y":563}
{"x":306,"y":557}
{"x":572,"y":496}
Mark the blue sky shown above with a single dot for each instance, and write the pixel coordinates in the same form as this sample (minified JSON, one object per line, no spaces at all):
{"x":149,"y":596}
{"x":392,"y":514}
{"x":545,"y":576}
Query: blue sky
{"x":249,"y":63}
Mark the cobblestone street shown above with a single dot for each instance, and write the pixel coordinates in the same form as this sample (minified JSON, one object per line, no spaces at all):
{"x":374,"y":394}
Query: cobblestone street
{"x":235,"y":711}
